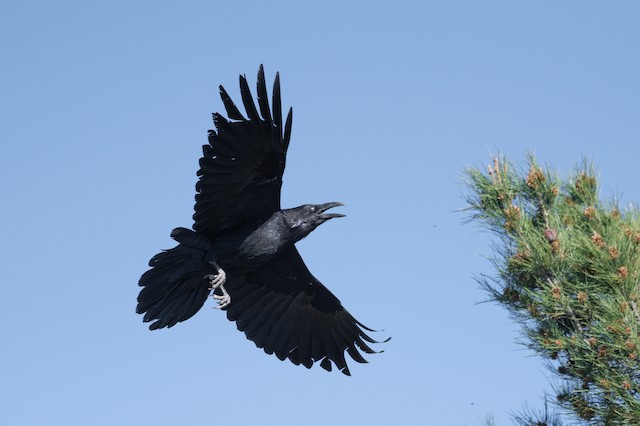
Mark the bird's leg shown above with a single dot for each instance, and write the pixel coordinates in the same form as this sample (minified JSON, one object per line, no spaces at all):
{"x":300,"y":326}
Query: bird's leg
{"x":216,"y":281}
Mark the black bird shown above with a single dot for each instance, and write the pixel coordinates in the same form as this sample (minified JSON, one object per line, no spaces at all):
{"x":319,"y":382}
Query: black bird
{"x":242,"y":247}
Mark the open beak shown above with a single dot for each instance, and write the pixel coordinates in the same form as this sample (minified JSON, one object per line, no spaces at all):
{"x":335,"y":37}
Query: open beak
{"x":324,"y":207}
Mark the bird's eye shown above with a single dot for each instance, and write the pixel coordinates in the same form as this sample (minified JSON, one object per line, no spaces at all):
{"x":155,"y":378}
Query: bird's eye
{"x":312,"y":209}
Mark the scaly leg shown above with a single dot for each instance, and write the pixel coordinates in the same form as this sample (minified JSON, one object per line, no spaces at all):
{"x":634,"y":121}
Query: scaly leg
{"x":216,"y":281}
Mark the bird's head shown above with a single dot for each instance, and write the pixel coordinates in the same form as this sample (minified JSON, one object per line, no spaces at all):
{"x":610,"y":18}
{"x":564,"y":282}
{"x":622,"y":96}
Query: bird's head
{"x":308,"y":217}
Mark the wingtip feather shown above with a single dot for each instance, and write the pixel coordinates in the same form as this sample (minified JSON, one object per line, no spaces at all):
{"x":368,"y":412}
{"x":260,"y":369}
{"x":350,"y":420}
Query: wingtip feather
{"x":263,"y":99}
{"x":276,"y":103}
{"x":232,"y":111}
{"x":247,"y":99}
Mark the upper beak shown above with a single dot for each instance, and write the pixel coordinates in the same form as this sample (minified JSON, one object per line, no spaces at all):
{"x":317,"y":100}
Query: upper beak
{"x":324,"y":207}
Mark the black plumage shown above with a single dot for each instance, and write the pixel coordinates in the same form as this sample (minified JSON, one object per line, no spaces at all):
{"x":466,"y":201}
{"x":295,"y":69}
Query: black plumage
{"x":241,"y":233}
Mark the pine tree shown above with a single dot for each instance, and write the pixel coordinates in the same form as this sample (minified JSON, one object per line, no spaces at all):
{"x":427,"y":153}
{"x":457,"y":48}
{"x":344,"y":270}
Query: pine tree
{"x":568,"y":271}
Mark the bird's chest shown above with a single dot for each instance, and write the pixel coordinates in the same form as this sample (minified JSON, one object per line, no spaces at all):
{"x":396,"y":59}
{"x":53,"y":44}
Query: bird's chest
{"x":252,"y":247}
{"x":262,"y":244}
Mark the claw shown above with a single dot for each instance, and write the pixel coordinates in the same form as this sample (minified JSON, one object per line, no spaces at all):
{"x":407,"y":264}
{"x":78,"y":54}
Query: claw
{"x":223,"y":301}
{"x":216,"y":280}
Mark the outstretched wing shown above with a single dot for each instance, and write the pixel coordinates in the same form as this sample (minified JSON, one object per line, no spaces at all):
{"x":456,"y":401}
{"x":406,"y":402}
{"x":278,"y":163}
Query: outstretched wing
{"x":242,"y":166}
{"x":282,"y":308}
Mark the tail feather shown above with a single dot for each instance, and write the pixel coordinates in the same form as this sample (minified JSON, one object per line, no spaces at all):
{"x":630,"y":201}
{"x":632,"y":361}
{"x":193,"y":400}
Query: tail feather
{"x":175,"y":288}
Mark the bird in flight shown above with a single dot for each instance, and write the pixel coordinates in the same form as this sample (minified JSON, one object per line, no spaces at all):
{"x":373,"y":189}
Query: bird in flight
{"x":242,"y":251}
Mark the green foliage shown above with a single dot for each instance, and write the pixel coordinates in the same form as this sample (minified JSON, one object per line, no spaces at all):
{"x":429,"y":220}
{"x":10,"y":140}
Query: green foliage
{"x":568,"y":268}
{"x":530,"y":417}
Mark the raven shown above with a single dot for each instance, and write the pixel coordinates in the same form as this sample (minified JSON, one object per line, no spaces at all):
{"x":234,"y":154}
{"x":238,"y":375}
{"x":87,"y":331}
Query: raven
{"x":242,"y":248}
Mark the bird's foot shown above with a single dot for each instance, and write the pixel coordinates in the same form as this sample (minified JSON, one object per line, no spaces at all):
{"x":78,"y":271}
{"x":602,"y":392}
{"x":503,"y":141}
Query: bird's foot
{"x":216,"y":281}
{"x":224,"y":300}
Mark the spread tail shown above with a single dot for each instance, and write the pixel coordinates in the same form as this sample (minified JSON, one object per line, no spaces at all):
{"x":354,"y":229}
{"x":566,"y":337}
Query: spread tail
{"x":175,"y":288}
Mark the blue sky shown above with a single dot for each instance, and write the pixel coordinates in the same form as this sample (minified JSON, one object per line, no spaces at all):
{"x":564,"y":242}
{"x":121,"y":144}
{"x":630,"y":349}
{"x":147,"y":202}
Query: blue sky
{"x":105,"y":106}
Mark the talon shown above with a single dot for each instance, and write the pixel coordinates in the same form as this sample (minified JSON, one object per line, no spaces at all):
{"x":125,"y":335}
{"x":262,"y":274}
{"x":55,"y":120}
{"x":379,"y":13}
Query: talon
{"x":215,"y":280}
{"x":224,"y":301}
{"x":218,"y":279}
